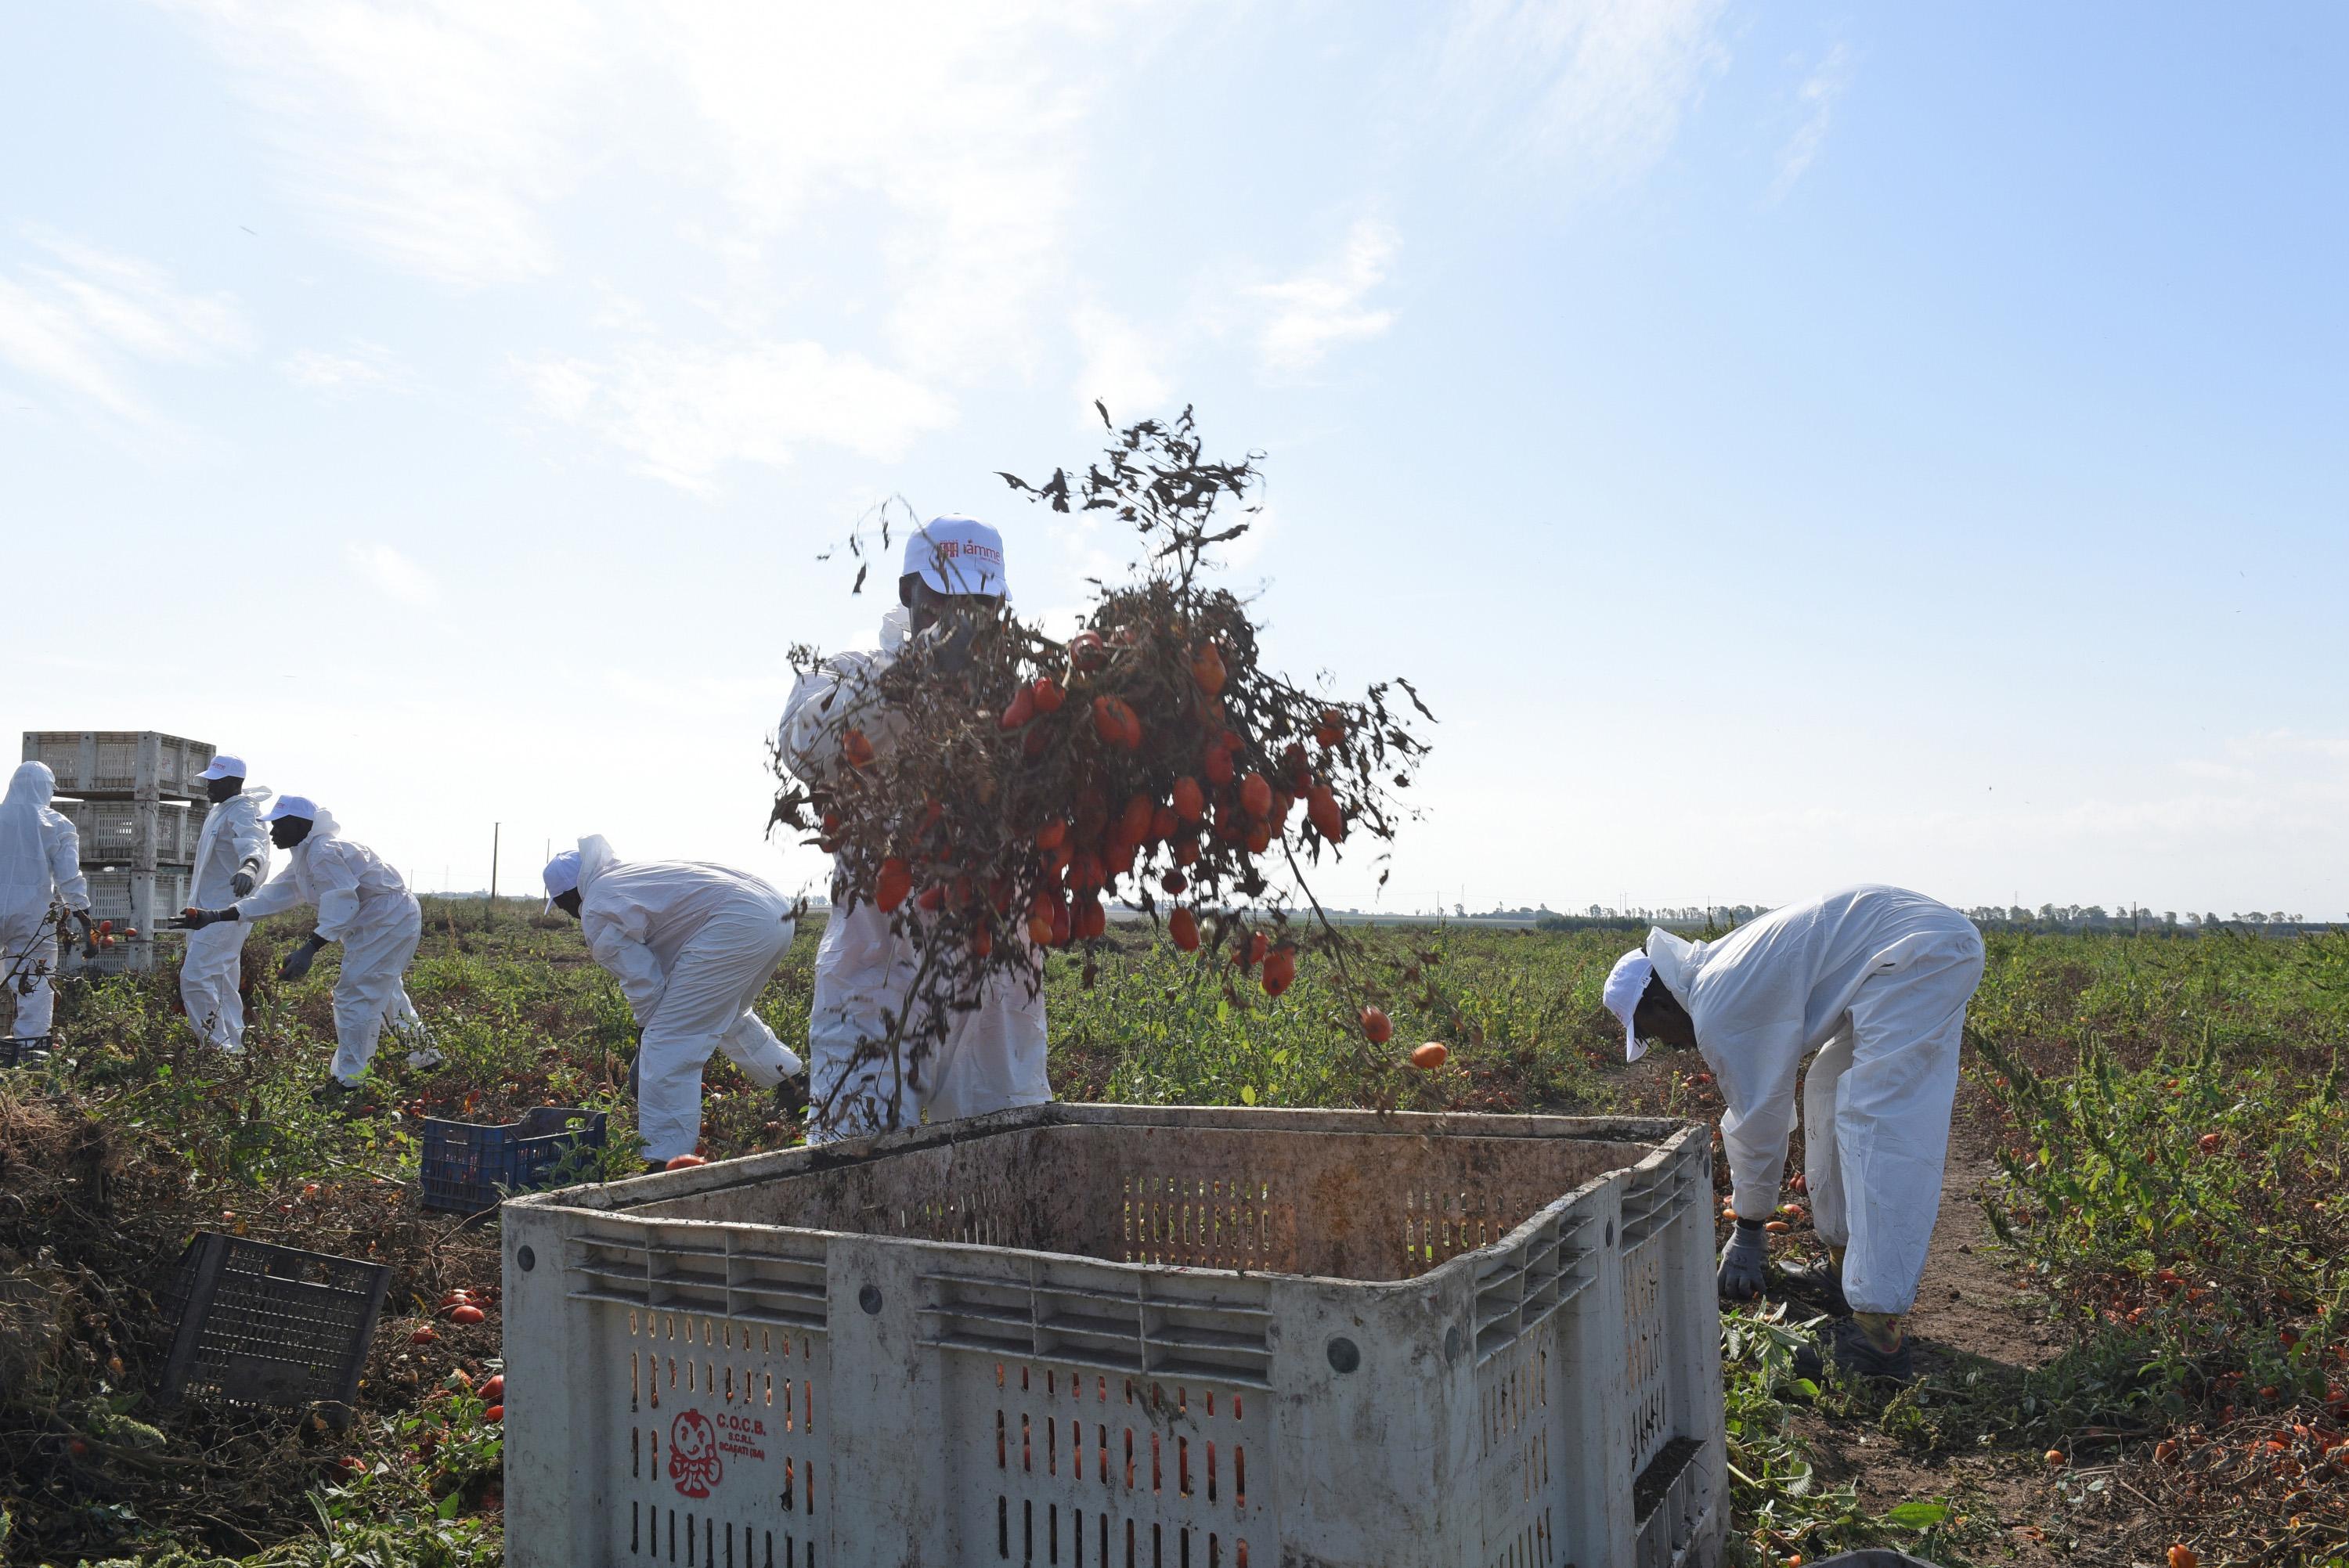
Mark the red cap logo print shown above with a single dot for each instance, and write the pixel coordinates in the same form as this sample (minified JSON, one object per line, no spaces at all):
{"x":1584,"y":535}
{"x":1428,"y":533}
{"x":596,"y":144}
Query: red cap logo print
{"x":693,"y":1461}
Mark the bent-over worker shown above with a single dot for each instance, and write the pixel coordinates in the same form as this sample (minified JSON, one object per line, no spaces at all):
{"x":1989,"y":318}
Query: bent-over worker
{"x":41,"y":865}
{"x":232,"y":859}
{"x":362,"y":904}
{"x":692,"y":945}
{"x":1875,"y":981}
{"x":991,"y":1055}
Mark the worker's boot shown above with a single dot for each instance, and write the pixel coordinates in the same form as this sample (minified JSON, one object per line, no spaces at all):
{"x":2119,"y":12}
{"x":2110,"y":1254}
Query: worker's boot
{"x":1818,"y":1283}
{"x":1869,"y":1345}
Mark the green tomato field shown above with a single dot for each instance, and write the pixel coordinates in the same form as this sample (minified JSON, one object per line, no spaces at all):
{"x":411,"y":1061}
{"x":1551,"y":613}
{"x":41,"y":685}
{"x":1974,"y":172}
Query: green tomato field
{"x":2133,"y":1332}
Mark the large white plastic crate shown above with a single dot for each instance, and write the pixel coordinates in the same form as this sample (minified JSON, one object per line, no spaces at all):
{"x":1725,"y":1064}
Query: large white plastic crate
{"x":134,"y":834}
{"x":140,"y":764}
{"x":1111,"y":1335}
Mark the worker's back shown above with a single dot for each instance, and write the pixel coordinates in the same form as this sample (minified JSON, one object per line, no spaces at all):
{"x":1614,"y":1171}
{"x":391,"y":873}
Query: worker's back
{"x":662,"y":903}
{"x":1800,"y":964}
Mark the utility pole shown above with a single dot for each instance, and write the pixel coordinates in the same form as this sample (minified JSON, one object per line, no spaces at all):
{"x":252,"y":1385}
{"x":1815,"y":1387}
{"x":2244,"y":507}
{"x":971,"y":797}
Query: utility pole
{"x":496,"y":830}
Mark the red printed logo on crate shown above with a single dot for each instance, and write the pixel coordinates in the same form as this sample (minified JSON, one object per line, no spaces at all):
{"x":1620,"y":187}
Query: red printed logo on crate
{"x":693,"y":1461}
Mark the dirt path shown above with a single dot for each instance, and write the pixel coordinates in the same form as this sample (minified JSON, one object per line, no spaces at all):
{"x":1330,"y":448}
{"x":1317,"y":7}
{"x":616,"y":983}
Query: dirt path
{"x":1971,"y":1319}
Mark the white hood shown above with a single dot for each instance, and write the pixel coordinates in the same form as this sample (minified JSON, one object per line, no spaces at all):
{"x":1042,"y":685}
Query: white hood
{"x":24,"y":879}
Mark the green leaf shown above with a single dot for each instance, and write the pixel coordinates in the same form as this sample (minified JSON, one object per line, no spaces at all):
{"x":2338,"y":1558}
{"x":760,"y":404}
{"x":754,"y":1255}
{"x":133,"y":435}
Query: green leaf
{"x":1248,"y":1094}
{"x":1916,"y":1515}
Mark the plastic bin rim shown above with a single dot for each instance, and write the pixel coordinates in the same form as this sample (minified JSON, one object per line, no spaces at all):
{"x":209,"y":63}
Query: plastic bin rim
{"x":579,"y":1112}
{"x":1665,"y":1135}
{"x":1418,"y":1282}
{"x":612,"y":1204}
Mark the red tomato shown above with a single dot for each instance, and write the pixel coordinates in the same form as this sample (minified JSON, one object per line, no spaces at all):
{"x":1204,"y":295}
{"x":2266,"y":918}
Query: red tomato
{"x":1376,"y":1026}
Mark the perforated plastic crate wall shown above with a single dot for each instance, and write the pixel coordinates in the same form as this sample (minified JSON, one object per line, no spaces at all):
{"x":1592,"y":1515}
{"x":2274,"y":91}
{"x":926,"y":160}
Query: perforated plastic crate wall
{"x":466,"y":1164}
{"x":263,"y":1324}
{"x":1099,"y":1335}
{"x":132,"y":763}
{"x":130,"y":834}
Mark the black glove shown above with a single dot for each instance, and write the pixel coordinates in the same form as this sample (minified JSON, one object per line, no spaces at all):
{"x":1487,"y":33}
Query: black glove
{"x":240,"y":883}
{"x":1743,"y":1261}
{"x":297,"y":963}
{"x":197,"y":919}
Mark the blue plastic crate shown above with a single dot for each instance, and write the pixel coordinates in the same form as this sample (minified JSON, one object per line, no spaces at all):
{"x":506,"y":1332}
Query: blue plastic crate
{"x":469,"y":1168}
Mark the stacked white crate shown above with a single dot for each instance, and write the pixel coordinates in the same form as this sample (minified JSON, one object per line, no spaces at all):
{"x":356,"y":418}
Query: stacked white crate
{"x":137,"y":801}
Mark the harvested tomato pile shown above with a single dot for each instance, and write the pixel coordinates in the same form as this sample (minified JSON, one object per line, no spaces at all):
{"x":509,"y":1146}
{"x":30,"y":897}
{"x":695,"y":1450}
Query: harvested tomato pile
{"x":1012,"y":787}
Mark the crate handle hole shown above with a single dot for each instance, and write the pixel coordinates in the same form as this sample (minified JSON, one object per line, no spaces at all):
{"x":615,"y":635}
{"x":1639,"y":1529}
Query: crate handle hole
{"x":869,"y":1298}
{"x":526,"y":1259}
{"x":1345,"y":1355}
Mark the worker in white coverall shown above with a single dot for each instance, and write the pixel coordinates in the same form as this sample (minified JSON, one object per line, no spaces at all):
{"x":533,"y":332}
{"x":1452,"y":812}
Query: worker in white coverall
{"x":1875,"y":981}
{"x":232,"y":859}
{"x":41,"y":865}
{"x":362,"y":904}
{"x":692,"y":945}
{"x":992,"y":1056}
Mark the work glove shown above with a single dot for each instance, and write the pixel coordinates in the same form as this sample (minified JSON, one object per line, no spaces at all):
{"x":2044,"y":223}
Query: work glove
{"x":240,"y":883}
{"x":197,"y":919}
{"x":1743,"y":1261}
{"x":297,"y":963}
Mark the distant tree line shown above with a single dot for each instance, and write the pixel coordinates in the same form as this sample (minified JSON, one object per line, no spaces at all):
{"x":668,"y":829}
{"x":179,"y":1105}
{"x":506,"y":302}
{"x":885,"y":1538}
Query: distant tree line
{"x":2047,"y":917}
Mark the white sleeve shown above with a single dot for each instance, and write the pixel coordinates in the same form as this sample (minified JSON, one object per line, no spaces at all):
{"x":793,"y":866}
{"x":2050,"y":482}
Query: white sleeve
{"x":630,"y":962}
{"x":279,"y":893}
{"x":65,"y":860}
{"x":251,"y":843}
{"x":840,"y":695}
{"x":1760,"y":1120}
{"x":336,"y":875}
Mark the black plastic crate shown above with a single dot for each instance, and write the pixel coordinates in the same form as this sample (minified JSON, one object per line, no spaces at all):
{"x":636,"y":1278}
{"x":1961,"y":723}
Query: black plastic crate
{"x":468,"y":1167}
{"x":262,"y":1324}
{"x":22,"y":1050}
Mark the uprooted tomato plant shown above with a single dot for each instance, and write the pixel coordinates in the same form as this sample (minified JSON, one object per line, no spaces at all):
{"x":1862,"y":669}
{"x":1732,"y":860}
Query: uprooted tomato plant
{"x":994,"y":790}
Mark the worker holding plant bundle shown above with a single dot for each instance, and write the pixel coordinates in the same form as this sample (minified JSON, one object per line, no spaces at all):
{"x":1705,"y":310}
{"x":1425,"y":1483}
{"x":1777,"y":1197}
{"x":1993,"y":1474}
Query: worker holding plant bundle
{"x":362,"y":904}
{"x":989,"y":1056}
{"x":40,"y":866}
{"x":692,"y":946}
{"x":1874,"y":980}
{"x":232,"y":859}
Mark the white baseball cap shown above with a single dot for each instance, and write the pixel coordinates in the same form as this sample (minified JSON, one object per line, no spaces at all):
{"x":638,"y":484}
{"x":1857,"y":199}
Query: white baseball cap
{"x":957,"y":554}
{"x":1626,"y":984}
{"x":300,"y":805}
{"x":223,"y":766}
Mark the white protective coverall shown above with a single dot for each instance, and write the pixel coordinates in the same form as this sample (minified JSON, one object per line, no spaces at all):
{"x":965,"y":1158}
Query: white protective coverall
{"x":992,"y":1057}
{"x":234,"y":839}
{"x":692,"y":946}
{"x":1876,"y":980}
{"x":40,"y":863}
{"x":363,"y":905}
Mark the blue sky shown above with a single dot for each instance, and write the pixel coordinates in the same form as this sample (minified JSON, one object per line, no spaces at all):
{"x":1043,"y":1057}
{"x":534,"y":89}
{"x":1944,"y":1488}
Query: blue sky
{"x":1789,"y":446}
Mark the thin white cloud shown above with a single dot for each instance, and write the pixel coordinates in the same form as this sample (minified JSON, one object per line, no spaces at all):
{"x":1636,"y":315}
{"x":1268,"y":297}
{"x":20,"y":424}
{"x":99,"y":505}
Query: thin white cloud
{"x":688,"y":411}
{"x":1594,"y":89}
{"x":84,"y":319}
{"x":394,"y":573}
{"x":1316,"y":310}
{"x":1816,"y":100}
{"x":433,"y":134}
{"x":367,"y":368}
{"x":1123,"y":368}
